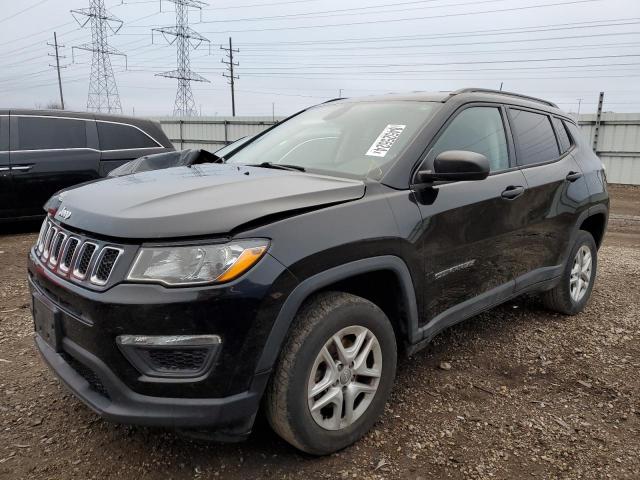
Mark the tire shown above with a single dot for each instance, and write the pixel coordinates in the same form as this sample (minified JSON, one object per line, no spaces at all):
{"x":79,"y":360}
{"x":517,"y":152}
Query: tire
{"x":560,"y":298}
{"x":287,"y":403}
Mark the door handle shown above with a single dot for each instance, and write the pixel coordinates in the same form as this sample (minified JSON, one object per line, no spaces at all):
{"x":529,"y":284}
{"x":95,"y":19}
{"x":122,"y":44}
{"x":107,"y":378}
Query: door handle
{"x":573,"y":176}
{"x":512,"y":191}
{"x":22,"y":168}
{"x":5,"y":169}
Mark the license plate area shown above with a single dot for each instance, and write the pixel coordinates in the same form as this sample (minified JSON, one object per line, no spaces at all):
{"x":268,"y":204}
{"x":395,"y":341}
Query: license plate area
{"x":46,"y":321}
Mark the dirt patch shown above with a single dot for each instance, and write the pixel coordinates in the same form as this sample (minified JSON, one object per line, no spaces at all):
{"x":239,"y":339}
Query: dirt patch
{"x":625,"y":199}
{"x":624,"y":221}
{"x":530,"y":394}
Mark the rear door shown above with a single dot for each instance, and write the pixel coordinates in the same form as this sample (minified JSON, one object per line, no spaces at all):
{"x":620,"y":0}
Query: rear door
{"x":121,"y":142}
{"x":6,"y":185}
{"x":471,"y":229}
{"x":49,"y":153}
{"x":556,"y":193}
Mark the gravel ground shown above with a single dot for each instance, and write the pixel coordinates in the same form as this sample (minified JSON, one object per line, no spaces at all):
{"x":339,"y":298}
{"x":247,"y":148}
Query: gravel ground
{"x":517,"y":392}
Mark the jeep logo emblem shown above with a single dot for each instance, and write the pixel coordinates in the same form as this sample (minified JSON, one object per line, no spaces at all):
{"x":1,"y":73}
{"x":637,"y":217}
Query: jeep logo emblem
{"x":64,"y":213}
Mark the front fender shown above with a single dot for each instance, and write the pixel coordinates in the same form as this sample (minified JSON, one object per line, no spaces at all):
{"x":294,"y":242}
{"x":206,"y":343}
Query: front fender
{"x":320,"y":280}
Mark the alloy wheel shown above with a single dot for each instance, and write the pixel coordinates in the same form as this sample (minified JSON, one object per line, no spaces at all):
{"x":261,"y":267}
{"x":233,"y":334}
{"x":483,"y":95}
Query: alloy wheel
{"x":580,"y":273}
{"x":344,"y":378}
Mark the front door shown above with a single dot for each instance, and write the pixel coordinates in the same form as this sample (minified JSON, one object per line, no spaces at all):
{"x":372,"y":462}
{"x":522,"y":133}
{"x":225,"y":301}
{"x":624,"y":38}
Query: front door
{"x":49,"y":154}
{"x":471,"y":228}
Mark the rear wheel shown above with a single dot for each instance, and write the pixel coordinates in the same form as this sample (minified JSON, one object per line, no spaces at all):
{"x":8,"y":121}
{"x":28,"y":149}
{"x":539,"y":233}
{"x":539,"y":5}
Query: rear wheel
{"x":572,"y":293}
{"x":334,"y":375}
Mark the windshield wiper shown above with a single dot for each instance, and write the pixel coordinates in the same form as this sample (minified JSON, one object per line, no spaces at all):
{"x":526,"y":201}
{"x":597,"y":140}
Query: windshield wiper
{"x":280,"y":166}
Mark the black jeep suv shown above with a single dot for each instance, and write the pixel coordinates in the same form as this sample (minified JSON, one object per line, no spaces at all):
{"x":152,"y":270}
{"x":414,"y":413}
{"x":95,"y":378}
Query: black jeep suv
{"x":292,"y":272}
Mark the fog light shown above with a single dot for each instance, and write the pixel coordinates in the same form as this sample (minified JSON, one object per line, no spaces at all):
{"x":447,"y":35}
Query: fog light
{"x":168,"y":340}
{"x":177,"y":356}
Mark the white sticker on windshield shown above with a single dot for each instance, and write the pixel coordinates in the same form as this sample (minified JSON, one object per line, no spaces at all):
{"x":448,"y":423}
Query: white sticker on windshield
{"x":385,"y":141}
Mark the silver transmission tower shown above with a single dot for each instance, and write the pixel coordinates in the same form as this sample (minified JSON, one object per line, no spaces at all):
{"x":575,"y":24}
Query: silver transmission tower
{"x":103,"y":91}
{"x":185,"y":38}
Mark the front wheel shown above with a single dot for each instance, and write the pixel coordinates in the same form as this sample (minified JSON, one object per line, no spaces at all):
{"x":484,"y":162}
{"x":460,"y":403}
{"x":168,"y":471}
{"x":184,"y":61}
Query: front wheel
{"x":334,"y":375}
{"x":572,"y":293}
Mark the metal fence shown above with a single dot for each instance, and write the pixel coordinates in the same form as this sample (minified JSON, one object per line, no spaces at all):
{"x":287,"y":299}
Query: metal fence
{"x":211,"y":133}
{"x":618,"y":137}
{"x":617,"y":144}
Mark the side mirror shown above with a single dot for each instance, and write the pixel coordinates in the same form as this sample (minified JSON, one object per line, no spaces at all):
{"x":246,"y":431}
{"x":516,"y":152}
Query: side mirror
{"x":456,"y":165}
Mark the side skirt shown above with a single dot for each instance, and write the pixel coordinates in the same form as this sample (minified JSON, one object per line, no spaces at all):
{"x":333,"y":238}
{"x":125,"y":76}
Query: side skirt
{"x":537,"y":281}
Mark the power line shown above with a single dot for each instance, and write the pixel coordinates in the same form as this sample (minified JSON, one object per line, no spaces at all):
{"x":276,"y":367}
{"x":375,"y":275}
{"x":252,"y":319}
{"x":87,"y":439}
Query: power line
{"x":395,"y":20}
{"x":466,"y":62}
{"x":22,"y":11}
{"x":333,"y":56}
{"x":269,"y":4}
{"x":352,"y":11}
{"x":457,"y":44}
{"x":468,"y":33}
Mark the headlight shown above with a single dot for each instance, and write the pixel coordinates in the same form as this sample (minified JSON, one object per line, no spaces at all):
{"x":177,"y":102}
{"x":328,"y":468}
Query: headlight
{"x":196,"y":264}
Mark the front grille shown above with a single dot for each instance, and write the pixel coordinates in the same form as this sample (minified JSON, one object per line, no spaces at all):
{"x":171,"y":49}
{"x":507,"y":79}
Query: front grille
{"x":89,"y":375}
{"x":41,"y":236}
{"x":176,"y":360}
{"x":56,"y":245}
{"x":81,"y":259}
{"x":70,"y":250}
{"x":84,"y":259}
{"x":105,"y":264}
{"x":51,"y":232}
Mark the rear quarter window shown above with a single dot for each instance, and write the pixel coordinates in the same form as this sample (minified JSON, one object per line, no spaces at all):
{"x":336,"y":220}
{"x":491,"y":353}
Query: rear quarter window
{"x":40,"y":133}
{"x":574,"y":132}
{"x":535,"y":140}
{"x":116,"y":136}
{"x":563,"y":135}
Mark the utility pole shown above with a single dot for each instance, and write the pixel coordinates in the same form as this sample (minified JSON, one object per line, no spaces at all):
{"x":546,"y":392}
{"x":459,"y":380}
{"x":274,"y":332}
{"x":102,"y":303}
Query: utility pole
{"x":232,"y":78}
{"x":57,"y":66}
{"x":185,"y":39}
{"x":103,"y":91}
{"x":579,"y":104}
{"x":501,"y":83}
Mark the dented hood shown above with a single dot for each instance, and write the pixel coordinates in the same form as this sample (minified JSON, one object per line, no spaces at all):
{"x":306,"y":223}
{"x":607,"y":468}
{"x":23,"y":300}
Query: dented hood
{"x":198,"y":200}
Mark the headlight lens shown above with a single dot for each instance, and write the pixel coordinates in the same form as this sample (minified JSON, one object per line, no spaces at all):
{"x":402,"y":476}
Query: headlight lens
{"x":196,"y":264}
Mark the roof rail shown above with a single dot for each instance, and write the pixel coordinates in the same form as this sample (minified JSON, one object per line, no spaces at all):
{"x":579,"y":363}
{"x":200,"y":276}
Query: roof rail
{"x":333,"y":100}
{"x":501,"y":92}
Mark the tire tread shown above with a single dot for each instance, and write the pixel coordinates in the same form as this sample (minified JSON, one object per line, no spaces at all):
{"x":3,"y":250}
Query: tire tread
{"x":310,"y":314}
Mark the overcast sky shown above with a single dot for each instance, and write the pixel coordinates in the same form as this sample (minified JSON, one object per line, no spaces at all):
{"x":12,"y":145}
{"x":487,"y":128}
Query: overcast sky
{"x":298,"y":52}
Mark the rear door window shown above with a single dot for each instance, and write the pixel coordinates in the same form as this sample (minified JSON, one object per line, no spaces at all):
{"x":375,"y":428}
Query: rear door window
{"x":535,"y":140}
{"x":41,"y":133}
{"x":563,"y":136}
{"x":117,"y":136}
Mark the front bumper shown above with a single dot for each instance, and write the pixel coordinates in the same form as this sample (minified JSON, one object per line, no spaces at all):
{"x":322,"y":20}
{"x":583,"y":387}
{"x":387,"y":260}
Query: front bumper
{"x":90,"y":363}
{"x":108,"y":396}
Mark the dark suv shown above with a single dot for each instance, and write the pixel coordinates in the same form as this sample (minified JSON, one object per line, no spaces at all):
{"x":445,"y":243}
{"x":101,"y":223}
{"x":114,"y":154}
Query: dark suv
{"x":43,"y":151}
{"x":292,"y":272}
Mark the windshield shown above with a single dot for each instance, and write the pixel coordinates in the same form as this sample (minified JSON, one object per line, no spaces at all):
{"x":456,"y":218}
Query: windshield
{"x":222,"y":152}
{"x":360,"y":139}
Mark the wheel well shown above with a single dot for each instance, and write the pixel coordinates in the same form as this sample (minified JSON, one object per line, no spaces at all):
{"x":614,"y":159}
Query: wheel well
{"x":382,"y":288}
{"x":595,"y":226}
